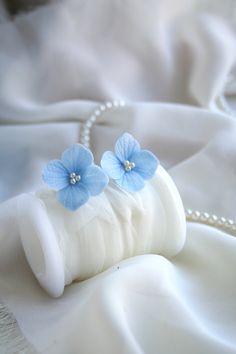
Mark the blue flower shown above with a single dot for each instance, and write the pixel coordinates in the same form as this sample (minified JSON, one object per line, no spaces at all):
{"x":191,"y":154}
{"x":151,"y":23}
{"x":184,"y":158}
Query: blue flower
{"x":129,"y":166}
{"x":75,"y":177}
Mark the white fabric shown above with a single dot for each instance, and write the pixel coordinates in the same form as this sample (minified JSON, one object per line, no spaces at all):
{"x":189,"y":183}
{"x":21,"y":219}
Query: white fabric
{"x":179,"y":52}
{"x":154,"y":50}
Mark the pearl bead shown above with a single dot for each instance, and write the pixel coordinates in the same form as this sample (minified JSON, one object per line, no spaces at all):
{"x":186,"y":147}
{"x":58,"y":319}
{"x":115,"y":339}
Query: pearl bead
{"x":86,"y":138}
{"x":223,"y":220}
{"x":88,"y":124}
{"x":189,"y":212}
{"x":213,"y":219}
{"x":109,"y":104}
{"x":195,"y":215}
{"x":204,"y":217}
{"x":116,"y":104}
{"x":97,"y":112}
{"x":219,"y":222}
{"x":103,"y":107}
{"x":85,"y":131}
{"x":228,"y":224}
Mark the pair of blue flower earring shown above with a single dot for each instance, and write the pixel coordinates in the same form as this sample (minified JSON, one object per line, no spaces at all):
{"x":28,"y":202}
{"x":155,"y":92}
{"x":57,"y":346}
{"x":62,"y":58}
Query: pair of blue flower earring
{"x":75,"y":177}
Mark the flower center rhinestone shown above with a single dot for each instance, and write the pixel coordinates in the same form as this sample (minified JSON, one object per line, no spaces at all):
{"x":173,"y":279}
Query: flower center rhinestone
{"x":74,"y":178}
{"x":128,"y":165}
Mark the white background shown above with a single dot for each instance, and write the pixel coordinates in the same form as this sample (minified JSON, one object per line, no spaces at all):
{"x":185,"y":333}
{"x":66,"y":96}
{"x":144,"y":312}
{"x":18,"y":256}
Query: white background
{"x":170,"y":61}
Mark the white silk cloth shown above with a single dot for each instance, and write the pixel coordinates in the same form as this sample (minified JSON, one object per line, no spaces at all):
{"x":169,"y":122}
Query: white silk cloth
{"x":170,"y":61}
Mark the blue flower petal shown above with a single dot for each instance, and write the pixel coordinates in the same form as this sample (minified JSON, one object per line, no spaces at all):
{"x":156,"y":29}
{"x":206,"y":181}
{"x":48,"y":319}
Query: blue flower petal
{"x":125,"y":147}
{"x":94,"y":180}
{"x":112,"y":165}
{"x":146,"y":163}
{"x":72,"y":197}
{"x":131,"y":181}
{"x":55,"y":175}
{"x":77,"y":158}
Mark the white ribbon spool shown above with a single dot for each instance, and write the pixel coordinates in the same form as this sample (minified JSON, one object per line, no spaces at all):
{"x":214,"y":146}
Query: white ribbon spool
{"x":62,"y":246}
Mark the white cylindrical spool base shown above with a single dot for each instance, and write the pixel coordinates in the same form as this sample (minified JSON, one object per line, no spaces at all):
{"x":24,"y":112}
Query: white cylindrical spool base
{"x":62,"y":246}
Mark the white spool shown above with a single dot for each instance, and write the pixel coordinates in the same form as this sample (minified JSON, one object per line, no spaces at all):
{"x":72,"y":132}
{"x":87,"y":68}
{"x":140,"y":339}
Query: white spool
{"x":62,"y":246}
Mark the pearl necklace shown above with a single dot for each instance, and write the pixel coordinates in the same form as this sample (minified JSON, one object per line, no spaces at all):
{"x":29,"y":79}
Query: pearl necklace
{"x":87,"y":126}
{"x":227,"y":225}
{"x":222,"y":223}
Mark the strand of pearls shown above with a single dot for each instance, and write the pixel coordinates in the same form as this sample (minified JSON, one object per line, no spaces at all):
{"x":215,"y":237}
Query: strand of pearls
{"x":87,"y":126}
{"x":222,"y":223}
